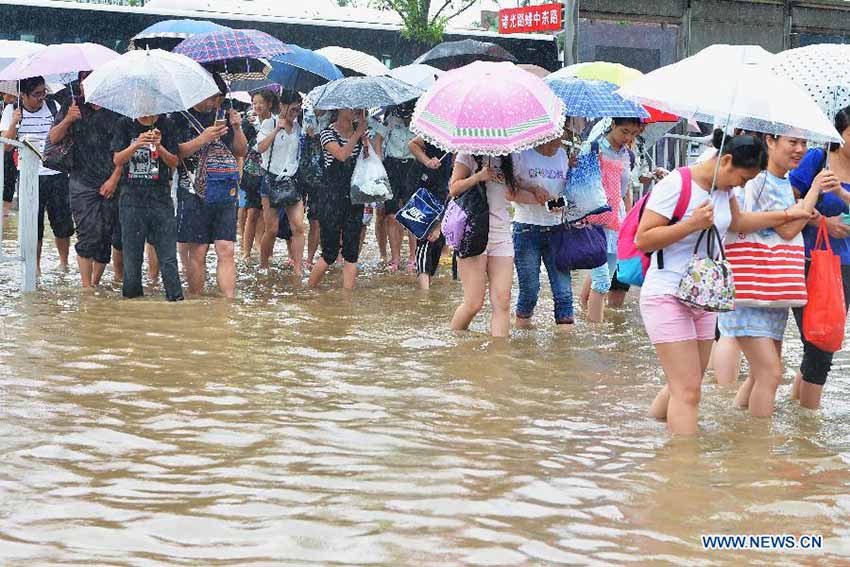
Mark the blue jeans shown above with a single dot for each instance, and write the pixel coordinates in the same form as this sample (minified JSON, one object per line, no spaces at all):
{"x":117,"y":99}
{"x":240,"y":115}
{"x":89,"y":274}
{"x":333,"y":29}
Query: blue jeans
{"x":531,"y":245}
{"x":156,"y":224}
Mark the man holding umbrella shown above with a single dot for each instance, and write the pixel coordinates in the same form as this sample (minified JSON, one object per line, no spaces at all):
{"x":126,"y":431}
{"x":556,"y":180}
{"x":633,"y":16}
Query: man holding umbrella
{"x":207,"y":188}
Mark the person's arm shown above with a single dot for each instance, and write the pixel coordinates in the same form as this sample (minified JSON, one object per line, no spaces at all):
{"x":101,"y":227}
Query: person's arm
{"x":655,"y":232}
{"x":208,"y":136}
{"x":12,"y":131}
{"x":342,"y":153}
{"x":526,"y":196}
{"x":463,"y":179}
{"x":122,"y":158}
{"x":266,"y":137}
{"x":60,"y":130}
{"x":240,"y":142}
{"x":417,"y":148}
{"x":107,"y":190}
{"x":748,"y":223}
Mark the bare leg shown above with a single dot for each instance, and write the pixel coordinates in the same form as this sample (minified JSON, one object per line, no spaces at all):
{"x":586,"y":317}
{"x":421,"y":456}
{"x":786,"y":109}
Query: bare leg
{"x":85,"y":266}
{"x":183,"y":251}
{"x":616,"y":298}
{"x":272,"y":221}
{"x":196,"y":268}
{"x":118,"y":265}
{"x":395,"y":232}
{"x":500,"y":275}
{"x":295,"y":215}
{"x":765,"y":360}
{"x":810,"y":395}
{"x":318,"y":272}
{"x":38,"y":257}
{"x":349,"y":275}
{"x":684,"y":363}
{"x":241,"y":216}
{"x":382,"y":225}
{"x":473,"y":279}
{"x":313,"y":241}
{"x":225,"y":252}
{"x":249,"y":232}
{"x":63,"y":246}
{"x":424,"y":281}
{"x":727,"y":361}
{"x":97,"y":270}
{"x":153,"y":264}
{"x":584,"y":296}
{"x":596,"y":307}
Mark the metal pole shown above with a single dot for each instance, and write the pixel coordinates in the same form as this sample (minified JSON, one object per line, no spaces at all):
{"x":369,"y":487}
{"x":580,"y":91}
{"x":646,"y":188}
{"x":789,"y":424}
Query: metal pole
{"x":571,"y":33}
{"x":28,"y":216}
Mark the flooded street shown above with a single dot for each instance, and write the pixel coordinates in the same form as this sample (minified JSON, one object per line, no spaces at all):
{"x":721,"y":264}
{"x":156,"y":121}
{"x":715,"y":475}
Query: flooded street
{"x":300,"y":428}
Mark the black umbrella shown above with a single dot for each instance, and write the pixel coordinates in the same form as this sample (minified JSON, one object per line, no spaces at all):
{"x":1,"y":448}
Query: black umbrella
{"x":453,"y":54}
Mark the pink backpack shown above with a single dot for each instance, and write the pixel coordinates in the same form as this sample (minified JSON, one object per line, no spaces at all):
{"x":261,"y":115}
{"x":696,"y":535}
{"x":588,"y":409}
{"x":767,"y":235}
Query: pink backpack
{"x":632,"y":264}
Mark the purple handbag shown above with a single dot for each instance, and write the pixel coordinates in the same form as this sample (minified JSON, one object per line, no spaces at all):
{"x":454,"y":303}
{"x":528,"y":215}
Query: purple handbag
{"x":578,"y":248}
{"x":466,"y":223}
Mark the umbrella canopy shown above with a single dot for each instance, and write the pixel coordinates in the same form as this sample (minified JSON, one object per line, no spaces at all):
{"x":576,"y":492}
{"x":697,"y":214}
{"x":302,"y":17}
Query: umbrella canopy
{"x":615,"y":73}
{"x":58,"y":59}
{"x":362,"y":92}
{"x":11,"y":50}
{"x":253,"y":85}
{"x":594,"y":99}
{"x":822,"y":71}
{"x":454,"y":54}
{"x":489,"y":109}
{"x":167,"y":34}
{"x":353,"y":63}
{"x":302,"y":69}
{"x":535,"y":70}
{"x":418,"y":75}
{"x":731,"y":86}
{"x":238,"y":54}
{"x":146,"y":83}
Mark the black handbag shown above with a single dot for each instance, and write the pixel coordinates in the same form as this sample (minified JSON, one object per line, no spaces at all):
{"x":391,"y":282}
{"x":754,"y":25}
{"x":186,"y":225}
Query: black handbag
{"x":59,"y":157}
{"x":283,"y":191}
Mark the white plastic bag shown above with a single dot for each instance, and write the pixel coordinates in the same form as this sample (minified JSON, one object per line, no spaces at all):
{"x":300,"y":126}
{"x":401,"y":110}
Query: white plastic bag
{"x":369,"y":182}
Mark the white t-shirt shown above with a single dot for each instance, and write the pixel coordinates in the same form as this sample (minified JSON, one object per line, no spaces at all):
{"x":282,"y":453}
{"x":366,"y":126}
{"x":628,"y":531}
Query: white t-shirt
{"x":286,"y":145}
{"x":497,"y":199}
{"x":678,"y":255}
{"x":532,"y":168}
{"x":34,"y":125}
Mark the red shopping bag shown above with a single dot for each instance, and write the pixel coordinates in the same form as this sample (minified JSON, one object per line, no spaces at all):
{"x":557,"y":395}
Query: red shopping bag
{"x":824,"y":317}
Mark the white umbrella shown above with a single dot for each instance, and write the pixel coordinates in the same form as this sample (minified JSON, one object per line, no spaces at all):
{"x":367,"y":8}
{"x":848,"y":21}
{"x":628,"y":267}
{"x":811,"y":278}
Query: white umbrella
{"x":147,"y":83}
{"x":353,"y":62}
{"x":10,"y":50}
{"x":733,"y":86}
{"x":419,"y":75}
{"x":822,"y":71}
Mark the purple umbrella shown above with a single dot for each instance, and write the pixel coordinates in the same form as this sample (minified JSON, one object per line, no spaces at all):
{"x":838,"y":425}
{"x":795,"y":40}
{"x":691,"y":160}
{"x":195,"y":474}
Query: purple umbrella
{"x":232,"y":51}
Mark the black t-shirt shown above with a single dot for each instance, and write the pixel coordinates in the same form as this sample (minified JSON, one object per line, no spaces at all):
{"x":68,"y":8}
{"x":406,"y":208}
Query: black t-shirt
{"x":189,"y":133}
{"x":92,"y":136}
{"x":145,"y":180}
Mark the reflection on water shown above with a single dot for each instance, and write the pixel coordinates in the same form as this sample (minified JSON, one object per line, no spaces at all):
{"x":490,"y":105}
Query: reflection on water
{"x":296,"y":428}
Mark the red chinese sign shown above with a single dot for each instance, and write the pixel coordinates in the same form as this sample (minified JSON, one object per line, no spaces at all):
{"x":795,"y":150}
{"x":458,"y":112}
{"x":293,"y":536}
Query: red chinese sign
{"x":546,"y":17}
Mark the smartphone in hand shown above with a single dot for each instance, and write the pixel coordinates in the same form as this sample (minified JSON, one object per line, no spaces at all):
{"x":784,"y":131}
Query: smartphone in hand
{"x":553,"y":204}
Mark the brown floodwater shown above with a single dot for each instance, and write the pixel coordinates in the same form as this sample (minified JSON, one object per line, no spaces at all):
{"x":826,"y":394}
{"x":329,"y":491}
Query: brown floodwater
{"x":303,"y":428}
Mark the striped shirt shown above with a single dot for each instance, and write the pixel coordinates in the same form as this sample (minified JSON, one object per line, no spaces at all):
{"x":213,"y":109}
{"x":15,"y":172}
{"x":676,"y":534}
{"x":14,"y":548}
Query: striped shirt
{"x":34,"y":126}
{"x":329,"y":135}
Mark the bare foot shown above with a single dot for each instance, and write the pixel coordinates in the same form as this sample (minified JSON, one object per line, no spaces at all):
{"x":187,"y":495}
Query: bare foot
{"x":523,"y":323}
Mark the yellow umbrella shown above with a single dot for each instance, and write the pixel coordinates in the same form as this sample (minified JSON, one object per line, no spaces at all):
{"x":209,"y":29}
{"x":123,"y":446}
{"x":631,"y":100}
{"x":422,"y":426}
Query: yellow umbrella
{"x":615,"y":73}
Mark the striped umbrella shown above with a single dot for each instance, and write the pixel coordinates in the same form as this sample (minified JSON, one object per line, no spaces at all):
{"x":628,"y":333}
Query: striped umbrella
{"x":239,"y":54}
{"x":354,"y":63}
{"x":489,"y":109}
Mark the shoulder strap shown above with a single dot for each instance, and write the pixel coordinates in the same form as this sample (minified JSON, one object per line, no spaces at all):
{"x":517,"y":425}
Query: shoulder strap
{"x":681,"y":205}
{"x":632,"y":159}
{"x":684,"y":195}
{"x":53,"y":107}
{"x":271,"y":149}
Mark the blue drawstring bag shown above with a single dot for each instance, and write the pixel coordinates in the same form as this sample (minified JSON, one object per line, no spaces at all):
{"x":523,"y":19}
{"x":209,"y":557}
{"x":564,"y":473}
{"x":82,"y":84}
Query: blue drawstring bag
{"x":584,"y":193}
{"x":421,"y":213}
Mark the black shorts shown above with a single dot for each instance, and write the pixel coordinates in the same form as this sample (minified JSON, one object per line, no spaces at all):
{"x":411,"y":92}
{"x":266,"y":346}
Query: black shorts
{"x":200,"y":223}
{"x":250,"y":184}
{"x":10,"y":177}
{"x":428,"y":255}
{"x":54,"y":199}
{"x":94,"y":217}
{"x":617,"y":285}
{"x":398,"y":171}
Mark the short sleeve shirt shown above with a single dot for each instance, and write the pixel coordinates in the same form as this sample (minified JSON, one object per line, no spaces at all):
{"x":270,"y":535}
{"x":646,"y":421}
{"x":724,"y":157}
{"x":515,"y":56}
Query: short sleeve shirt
{"x":497,"y":196}
{"x":829,"y":205}
{"x":146,"y":179}
{"x":92,"y":135}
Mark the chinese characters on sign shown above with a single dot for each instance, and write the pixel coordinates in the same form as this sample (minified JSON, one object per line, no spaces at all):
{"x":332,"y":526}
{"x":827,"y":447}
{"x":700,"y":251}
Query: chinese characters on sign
{"x":546,"y":17}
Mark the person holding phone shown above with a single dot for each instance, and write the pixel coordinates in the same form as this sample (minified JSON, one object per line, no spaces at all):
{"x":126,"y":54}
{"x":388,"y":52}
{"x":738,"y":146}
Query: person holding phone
{"x":541,"y":175}
{"x":212,"y":140}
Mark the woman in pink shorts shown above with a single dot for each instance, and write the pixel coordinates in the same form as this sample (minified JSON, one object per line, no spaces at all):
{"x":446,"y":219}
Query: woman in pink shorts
{"x":683,"y":335}
{"x":496,"y":265}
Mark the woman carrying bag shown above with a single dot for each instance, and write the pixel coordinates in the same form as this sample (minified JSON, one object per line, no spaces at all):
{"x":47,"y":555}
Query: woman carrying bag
{"x":683,"y":334}
{"x":279,"y":142}
{"x":817,"y":363}
{"x":493,"y":264}
{"x":340,"y":221}
{"x":761,"y":312}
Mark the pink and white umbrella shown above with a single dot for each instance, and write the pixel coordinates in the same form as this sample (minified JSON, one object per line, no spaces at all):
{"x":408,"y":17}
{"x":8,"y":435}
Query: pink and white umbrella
{"x":489,"y":109}
{"x":58,"y":59}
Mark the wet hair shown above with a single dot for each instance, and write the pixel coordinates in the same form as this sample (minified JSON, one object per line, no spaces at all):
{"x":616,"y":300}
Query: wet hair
{"x":30,"y":84}
{"x":747,"y":151}
{"x":289,"y":96}
{"x":507,"y":167}
{"x":626,"y":121}
{"x":270,"y":98}
{"x":219,"y":82}
{"x":841,"y":122}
